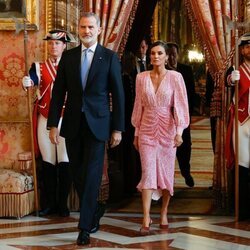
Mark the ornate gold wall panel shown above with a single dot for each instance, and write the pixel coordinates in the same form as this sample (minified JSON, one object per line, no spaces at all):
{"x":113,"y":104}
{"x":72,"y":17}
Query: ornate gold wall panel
{"x":247,"y":13}
{"x":14,"y":123}
{"x":155,"y":26}
{"x":63,"y":14}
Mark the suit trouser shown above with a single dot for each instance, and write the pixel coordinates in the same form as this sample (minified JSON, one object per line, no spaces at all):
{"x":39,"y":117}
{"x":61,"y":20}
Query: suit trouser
{"x":86,"y":157}
{"x":183,"y":152}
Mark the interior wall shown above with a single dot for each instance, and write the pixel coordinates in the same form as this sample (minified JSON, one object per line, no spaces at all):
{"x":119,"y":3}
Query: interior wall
{"x":14,"y":125}
{"x":247,"y":14}
{"x":175,"y":26}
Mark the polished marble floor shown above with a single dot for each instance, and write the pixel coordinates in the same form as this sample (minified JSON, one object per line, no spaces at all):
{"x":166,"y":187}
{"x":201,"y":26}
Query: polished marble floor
{"x":190,"y":226}
{"x":121,"y":231}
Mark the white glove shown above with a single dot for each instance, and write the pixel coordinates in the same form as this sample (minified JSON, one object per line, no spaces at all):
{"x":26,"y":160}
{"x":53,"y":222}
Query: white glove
{"x":27,"y":82}
{"x":235,"y":75}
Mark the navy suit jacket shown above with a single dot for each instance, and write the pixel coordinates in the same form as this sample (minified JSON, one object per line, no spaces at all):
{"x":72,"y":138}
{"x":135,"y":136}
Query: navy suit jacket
{"x":188,"y":77}
{"x":104,"y":78}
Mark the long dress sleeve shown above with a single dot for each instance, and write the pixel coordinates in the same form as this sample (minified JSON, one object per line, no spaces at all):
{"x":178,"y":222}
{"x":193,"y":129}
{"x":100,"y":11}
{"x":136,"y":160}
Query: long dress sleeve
{"x":180,"y":109}
{"x":138,"y":108}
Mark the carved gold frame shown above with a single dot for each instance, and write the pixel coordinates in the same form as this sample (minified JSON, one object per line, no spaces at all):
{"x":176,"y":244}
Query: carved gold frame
{"x":30,"y":15}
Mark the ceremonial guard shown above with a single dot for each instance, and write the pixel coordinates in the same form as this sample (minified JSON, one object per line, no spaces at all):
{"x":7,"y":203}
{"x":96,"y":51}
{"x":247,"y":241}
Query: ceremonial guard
{"x":56,"y":177}
{"x":243,"y":76}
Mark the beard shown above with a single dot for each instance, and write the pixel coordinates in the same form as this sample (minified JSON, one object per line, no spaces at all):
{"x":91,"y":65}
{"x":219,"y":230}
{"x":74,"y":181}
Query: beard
{"x":87,"y":40}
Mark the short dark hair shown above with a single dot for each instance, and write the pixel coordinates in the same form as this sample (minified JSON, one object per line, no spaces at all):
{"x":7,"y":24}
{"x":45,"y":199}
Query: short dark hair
{"x":160,"y":43}
{"x":173,"y":45}
{"x":146,"y":40}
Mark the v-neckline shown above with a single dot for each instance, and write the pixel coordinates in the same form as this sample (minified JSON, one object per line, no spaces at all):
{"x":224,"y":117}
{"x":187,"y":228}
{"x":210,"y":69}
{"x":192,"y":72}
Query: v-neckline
{"x":156,"y":90}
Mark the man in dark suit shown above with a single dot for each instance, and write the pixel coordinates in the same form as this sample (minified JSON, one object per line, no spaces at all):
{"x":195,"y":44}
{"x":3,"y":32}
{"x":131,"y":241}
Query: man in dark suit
{"x":132,"y":64}
{"x":88,"y":118}
{"x":141,"y":59}
{"x":184,"y":151}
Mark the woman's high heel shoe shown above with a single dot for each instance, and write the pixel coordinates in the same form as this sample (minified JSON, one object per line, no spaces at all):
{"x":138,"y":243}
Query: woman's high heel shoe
{"x":145,"y":230}
{"x":164,"y":227}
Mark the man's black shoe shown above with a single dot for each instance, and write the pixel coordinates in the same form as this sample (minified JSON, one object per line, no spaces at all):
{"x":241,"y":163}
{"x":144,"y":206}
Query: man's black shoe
{"x":64,"y":213}
{"x":189,"y":180}
{"x":47,"y":211}
{"x":243,"y":216}
{"x":83,"y":238}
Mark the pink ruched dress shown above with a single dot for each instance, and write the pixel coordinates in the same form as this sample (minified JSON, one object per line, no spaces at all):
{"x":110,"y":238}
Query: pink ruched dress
{"x":157,"y":118}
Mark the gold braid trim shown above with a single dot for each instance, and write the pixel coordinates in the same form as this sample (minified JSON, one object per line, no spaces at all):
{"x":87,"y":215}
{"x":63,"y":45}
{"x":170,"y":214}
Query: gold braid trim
{"x":128,"y":28}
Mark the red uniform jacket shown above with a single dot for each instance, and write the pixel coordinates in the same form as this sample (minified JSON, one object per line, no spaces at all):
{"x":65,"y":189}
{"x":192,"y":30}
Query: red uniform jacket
{"x":243,"y":112}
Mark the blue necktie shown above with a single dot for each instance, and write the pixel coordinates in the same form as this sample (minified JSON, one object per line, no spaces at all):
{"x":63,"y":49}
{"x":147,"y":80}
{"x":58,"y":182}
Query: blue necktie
{"x":85,"y":65}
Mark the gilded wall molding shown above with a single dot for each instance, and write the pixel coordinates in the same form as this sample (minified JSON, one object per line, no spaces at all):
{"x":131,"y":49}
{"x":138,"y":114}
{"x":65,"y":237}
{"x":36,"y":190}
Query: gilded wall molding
{"x":49,"y":14}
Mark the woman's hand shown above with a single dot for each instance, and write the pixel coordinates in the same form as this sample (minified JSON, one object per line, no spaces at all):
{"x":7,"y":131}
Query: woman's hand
{"x":136,"y":143}
{"x":178,"y":140}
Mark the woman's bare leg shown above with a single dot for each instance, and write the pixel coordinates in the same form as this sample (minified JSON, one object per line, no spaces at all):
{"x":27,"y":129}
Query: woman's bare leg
{"x":146,"y":204}
{"x":164,"y":208}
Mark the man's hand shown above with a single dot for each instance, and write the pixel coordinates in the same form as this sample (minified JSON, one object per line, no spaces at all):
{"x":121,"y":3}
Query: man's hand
{"x":235,"y":75}
{"x":27,"y":82}
{"x":54,"y":135}
{"x":115,"y":139}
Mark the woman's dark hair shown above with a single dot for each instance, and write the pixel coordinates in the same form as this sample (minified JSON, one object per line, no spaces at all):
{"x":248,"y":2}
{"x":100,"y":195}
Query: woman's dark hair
{"x":160,"y":43}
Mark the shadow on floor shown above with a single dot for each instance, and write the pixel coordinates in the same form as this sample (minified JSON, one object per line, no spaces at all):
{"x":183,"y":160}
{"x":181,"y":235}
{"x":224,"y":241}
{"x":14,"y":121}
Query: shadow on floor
{"x":196,"y":201}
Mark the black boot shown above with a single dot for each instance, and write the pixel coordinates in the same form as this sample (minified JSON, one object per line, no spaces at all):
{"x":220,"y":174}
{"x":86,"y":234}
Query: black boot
{"x":65,"y":182}
{"x":49,"y":183}
{"x":244,"y":203}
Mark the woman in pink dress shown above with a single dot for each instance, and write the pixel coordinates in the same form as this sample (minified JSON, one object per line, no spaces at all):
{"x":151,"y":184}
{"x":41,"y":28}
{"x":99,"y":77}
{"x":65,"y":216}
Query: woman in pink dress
{"x":159,"y":116}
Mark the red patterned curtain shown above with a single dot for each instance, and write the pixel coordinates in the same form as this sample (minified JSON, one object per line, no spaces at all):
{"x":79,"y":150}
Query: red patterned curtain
{"x":214,"y":36}
{"x":116,"y":20}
